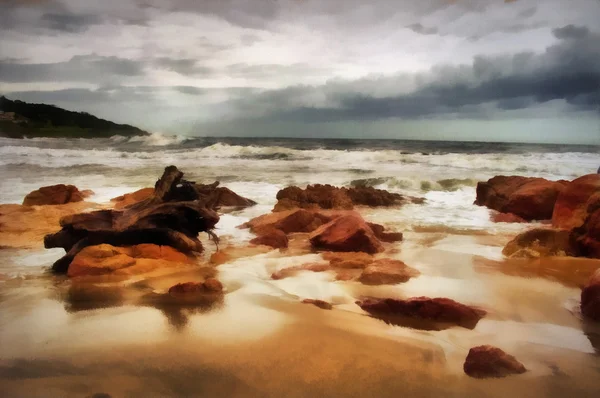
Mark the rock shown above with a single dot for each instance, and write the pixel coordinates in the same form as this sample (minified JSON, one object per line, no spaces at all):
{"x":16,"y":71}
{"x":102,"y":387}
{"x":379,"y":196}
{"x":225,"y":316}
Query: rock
{"x":274,"y":238}
{"x":319,"y":303}
{"x":387,"y":272}
{"x":289,"y":221}
{"x":573,"y":203}
{"x":441,"y":310}
{"x":220,"y":257}
{"x":173,"y":215}
{"x":232,"y":253}
{"x":389,"y":237}
{"x":507,"y":218}
{"x":346,"y":234}
{"x":53,"y":195}
{"x":210,"y":285}
{"x":529,"y":198}
{"x":131,"y":198}
{"x":590,"y":298}
{"x":330,"y":197}
{"x":106,"y":259}
{"x":291,"y":271}
{"x":487,"y":361}
{"x":587,"y":237}
{"x":540,"y":242}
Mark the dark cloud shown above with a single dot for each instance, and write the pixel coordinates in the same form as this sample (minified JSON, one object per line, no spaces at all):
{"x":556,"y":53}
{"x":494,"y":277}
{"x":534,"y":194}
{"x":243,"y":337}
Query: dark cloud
{"x":81,"y":68}
{"x":418,"y":28}
{"x":71,"y":23}
{"x":567,"y":71}
{"x":183,"y":66}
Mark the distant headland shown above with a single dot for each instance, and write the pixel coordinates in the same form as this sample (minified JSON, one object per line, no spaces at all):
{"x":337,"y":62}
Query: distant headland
{"x":20,"y":119}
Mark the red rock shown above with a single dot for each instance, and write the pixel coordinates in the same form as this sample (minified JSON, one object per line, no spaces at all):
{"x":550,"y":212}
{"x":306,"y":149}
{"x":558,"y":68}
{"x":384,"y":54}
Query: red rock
{"x":389,"y":237}
{"x":53,"y":195}
{"x":348,"y":233}
{"x":210,"y":285}
{"x":507,"y":218}
{"x":590,"y":298}
{"x":571,"y":208}
{"x":289,"y":221}
{"x":319,"y":303}
{"x":131,"y":198}
{"x":529,"y":198}
{"x":387,"y":272}
{"x":441,"y":310}
{"x":540,"y":242}
{"x":274,"y":238}
{"x":213,"y":285}
{"x":487,"y":361}
{"x":588,"y":236}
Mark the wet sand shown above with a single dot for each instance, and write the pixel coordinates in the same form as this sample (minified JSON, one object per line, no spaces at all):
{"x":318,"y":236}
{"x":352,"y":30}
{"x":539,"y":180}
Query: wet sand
{"x":124,"y":338}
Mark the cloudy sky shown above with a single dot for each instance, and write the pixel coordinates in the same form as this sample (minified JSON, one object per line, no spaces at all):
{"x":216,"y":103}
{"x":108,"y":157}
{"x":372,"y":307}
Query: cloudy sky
{"x":502,"y":70}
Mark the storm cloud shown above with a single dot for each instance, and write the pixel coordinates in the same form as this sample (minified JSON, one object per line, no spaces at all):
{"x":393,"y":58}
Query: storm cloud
{"x":185,"y":65}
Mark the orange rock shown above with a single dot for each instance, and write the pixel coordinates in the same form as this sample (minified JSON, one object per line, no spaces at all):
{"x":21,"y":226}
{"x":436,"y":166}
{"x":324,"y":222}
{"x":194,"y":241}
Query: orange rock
{"x":387,"y":272}
{"x":220,"y":257}
{"x":590,"y":297}
{"x":390,"y":237}
{"x":131,"y":198}
{"x":346,"y":233}
{"x":507,"y":218}
{"x":487,"y":361}
{"x":336,"y":258}
{"x":53,"y":195}
{"x":529,"y":198}
{"x":290,"y":221}
{"x":167,"y":253}
{"x":274,"y":238}
{"x":572,"y":206}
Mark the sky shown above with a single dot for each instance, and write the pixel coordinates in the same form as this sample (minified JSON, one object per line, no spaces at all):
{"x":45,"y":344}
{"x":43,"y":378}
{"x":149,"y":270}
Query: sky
{"x":484,"y":70}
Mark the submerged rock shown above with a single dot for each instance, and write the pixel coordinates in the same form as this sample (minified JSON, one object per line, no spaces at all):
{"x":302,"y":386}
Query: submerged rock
{"x":526,"y":197}
{"x":274,"y":238}
{"x":438,"y":310}
{"x":348,"y":233}
{"x":291,"y":271}
{"x":318,"y":303}
{"x":210,"y":285}
{"x":487,"y":361}
{"x":590,"y":298}
{"x":55,"y":195}
{"x":540,"y":242}
{"x":387,"y":272}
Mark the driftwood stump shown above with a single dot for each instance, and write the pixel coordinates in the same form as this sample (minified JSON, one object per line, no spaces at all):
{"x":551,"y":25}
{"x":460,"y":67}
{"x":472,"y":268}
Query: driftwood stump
{"x":174,"y":215}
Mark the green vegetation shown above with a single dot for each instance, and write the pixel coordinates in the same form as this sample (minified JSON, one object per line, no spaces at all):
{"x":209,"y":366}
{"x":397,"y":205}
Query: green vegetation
{"x":20,"y":119}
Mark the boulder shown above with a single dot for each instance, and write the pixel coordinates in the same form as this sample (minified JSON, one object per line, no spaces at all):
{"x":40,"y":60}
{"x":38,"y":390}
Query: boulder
{"x":574,"y":203}
{"x":318,"y":303}
{"x":590,"y":298}
{"x":387,"y":272}
{"x":132,"y":198}
{"x":587,"y":237}
{"x":274,"y":238}
{"x":487,"y":361}
{"x":540,"y":242}
{"x":348,"y":233}
{"x":106,"y":259}
{"x":210,"y":285}
{"x":507,"y":218}
{"x":528,"y":198}
{"x":440,"y":310}
{"x":53,"y":195}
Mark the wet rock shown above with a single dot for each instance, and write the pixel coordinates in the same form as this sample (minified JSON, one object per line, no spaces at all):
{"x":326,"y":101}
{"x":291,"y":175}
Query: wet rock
{"x":507,"y":218}
{"x":220,"y":257}
{"x":587,"y":237}
{"x":529,"y":198}
{"x":387,"y":272}
{"x":590,"y":298}
{"x":131,"y":198}
{"x":348,"y":233}
{"x":576,"y":201}
{"x":232,"y":253}
{"x":389,"y":237}
{"x":487,"y":361}
{"x":439,"y":310}
{"x":348,"y":259}
{"x":53,"y":195}
{"x":106,"y":259}
{"x":291,"y":271}
{"x":274,"y":238}
{"x":210,"y":285}
{"x":330,"y":197}
{"x":318,"y":303}
{"x":540,"y":242}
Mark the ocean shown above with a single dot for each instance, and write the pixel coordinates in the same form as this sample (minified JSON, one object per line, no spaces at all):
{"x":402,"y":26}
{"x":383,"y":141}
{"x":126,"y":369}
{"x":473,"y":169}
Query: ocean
{"x":61,"y":337}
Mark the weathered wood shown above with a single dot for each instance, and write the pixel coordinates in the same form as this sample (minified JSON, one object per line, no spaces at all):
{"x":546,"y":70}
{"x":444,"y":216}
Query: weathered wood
{"x":162,"y":219}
